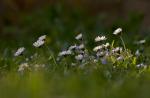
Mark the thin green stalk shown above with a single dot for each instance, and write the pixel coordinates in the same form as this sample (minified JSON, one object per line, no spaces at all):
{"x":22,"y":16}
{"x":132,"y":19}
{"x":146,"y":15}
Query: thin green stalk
{"x":123,"y":43}
{"x":52,"y":56}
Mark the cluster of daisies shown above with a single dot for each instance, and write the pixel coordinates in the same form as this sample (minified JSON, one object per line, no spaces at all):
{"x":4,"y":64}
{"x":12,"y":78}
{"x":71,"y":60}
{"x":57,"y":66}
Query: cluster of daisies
{"x":78,"y":49}
{"x":25,"y":66}
{"x":103,"y":52}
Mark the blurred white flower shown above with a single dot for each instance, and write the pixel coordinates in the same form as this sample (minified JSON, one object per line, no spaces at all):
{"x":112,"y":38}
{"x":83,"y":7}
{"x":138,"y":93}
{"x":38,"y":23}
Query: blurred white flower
{"x":79,"y":57}
{"x":81,"y":46}
{"x":79,"y":37}
{"x":141,"y":42}
{"x":102,"y":38}
{"x":117,"y":31}
{"x":43,"y":37}
{"x":95,"y":60}
{"x":73,"y":64}
{"x":81,"y":52}
{"x":141,"y":65}
{"x":98,"y":48}
{"x":100,"y":54}
{"x":39,"y":66}
{"x":106,"y":45}
{"x":64,"y":53}
{"x":117,"y":49}
{"x":19,"y":51}
{"x":27,"y":59}
{"x":38,"y":43}
{"x":120,"y":58}
{"x":23,"y":66}
{"x":137,"y":53}
{"x":72,"y":47}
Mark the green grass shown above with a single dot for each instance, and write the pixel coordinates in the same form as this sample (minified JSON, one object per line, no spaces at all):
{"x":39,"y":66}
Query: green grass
{"x":76,"y":83}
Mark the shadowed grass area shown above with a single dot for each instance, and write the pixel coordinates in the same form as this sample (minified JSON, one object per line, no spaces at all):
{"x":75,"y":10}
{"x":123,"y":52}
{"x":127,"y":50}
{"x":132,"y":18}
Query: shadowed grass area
{"x":77,"y":84}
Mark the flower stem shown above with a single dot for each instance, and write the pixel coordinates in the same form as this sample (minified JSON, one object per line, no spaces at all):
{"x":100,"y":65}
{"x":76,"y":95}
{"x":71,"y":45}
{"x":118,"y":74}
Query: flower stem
{"x":51,"y":54}
{"x":123,"y":42}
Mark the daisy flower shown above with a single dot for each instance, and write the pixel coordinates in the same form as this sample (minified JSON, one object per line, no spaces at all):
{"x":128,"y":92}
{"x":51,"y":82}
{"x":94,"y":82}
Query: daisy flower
{"x":98,"y":48}
{"x":73,"y":47}
{"x":102,"y":38}
{"x":100,"y":54}
{"x":38,"y":43}
{"x":141,"y":65}
{"x":120,"y":58}
{"x":117,"y":31}
{"x":141,"y":42}
{"x":117,"y":49}
{"x":64,"y":53}
{"x":79,"y":37}
{"x":23,"y":66}
{"x":137,"y":53}
{"x":106,"y":45}
{"x":43,"y":37}
{"x":19,"y":51}
{"x":81,"y":46}
{"x":79,"y":57}
{"x":39,"y":66}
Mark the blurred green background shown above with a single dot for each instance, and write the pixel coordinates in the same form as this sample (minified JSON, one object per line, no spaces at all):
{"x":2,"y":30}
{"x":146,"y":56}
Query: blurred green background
{"x":23,"y":19}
